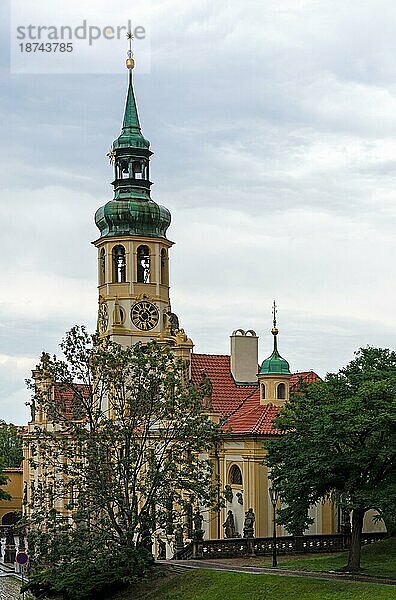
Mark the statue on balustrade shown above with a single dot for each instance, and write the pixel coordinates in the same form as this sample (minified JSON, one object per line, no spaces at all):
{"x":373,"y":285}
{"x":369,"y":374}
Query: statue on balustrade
{"x":179,"y":538}
{"x":248,"y":526}
{"x":161,"y":549}
{"x":229,"y":526}
{"x":198,"y":532}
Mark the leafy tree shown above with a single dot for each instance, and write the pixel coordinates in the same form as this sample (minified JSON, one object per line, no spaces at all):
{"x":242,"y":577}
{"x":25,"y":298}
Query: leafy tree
{"x":3,"y":481}
{"x":339,"y":442}
{"x":122,"y":449}
{"x":10,"y":453}
{"x":10,"y":445}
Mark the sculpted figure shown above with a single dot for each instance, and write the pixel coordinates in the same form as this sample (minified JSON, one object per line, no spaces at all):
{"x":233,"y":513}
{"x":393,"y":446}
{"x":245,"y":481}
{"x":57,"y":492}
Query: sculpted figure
{"x":229,"y":525}
{"x":248,"y":527}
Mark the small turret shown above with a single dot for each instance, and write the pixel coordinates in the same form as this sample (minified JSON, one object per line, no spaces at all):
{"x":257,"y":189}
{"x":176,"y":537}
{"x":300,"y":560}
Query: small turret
{"x":274,"y":373}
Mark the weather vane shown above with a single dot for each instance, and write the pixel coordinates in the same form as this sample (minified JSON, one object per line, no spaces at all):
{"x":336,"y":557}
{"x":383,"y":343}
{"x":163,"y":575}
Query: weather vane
{"x":130,"y":37}
{"x":130,"y":63}
{"x":274,"y":311}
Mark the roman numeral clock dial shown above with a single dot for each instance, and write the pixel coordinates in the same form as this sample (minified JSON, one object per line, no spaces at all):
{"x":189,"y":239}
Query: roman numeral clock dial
{"x":144,"y":315}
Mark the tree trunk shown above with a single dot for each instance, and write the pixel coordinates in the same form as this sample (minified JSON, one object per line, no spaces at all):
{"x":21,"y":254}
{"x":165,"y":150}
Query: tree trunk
{"x":356,"y":540}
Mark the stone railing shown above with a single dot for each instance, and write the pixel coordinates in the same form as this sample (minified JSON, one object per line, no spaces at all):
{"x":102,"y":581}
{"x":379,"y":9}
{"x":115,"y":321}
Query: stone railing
{"x":185,"y":553}
{"x":307,"y":544}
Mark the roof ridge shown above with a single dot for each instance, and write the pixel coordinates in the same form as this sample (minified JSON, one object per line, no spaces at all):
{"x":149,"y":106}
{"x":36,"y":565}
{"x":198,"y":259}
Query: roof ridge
{"x":209,"y":354}
{"x":240,"y":406}
{"x":260,"y":420}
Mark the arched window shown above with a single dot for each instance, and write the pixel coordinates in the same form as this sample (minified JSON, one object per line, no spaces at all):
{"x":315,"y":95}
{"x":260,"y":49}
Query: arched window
{"x":263,"y":391}
{"x":281,"y":391}
{"x":119,"y":264}
{"x":122,"y":168}
{"x":235,"y":476}
{"x":164,"y":267}
{"x":143,"y":264}
{"x":9,"y":518}
{"x":102,"y":267}
{"x":139,"y":169}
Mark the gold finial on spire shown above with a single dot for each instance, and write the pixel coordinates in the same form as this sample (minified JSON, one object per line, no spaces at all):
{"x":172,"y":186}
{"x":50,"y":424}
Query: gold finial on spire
{"x":274,"y":330}
{"x":130,"y":62}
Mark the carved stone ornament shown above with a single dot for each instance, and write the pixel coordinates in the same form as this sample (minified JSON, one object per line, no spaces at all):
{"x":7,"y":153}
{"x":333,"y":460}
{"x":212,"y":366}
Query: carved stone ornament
{"x":228,"y":494}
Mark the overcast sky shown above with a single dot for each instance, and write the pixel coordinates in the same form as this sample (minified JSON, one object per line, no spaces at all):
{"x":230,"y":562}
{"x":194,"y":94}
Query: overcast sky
{"x":273,"y":124}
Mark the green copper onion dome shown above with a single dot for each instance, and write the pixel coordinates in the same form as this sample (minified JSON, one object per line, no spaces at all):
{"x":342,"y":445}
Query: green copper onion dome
{"x":132,"y":211}
{"x":131,"y":216}
{"x":275,"y":364}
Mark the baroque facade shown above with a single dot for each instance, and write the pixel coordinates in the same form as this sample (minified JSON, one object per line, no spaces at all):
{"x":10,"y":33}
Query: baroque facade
{"x":134,"y":305}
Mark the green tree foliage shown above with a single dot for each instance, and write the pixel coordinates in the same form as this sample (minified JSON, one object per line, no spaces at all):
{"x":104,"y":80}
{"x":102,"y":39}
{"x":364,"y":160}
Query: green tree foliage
{"x":10,"y":445}
{"x":125,"y":446}
{"x":3,"y":481}
{"x":81,"y":562}
{"x":10,"y":453}
{"x":339,"y":442}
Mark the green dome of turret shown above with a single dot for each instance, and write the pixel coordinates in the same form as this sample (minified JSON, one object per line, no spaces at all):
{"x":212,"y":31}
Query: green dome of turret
{"x":275,"y":365}
{"x":132,"y":216}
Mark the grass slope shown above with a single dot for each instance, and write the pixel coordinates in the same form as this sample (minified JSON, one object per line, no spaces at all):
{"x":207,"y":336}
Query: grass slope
{"x":378,"y":559}
{"x":216,"y":585}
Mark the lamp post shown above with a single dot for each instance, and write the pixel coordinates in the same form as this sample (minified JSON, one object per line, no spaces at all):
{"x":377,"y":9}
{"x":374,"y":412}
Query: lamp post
{"x":274,"y":500}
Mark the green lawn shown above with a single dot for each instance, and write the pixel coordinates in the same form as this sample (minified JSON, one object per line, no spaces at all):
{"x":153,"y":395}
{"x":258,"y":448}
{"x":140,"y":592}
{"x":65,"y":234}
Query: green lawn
{"x":216,"y":585}
{"x":378,"y":559}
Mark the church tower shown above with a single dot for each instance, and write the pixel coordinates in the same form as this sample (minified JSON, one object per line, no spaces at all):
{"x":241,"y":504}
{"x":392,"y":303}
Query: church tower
{"x":133,"y":260}
{"x":274,"y":373}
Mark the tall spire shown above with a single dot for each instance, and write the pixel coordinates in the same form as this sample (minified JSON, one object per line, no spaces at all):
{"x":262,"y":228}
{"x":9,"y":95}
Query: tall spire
{"x":131,"y":117}
{"x":132,"y":211}
{"x":131,"y":134}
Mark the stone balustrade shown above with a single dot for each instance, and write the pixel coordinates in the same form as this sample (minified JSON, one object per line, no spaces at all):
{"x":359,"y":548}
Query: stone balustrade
{"x":238,"y":547}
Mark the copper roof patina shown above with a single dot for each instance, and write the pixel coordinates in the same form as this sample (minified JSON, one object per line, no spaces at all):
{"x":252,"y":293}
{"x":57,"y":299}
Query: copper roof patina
{"x":132,"y":210}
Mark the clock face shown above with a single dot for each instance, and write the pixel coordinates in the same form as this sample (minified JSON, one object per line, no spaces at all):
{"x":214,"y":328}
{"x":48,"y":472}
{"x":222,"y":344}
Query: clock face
{"x":144,"y":315}
{"x":103,"y":318}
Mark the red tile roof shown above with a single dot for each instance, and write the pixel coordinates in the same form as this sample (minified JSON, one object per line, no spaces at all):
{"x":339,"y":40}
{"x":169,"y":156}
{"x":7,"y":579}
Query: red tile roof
{"x":252,"y":417}
{"x":66,"y":396}
{"x":305,"y":376}
{"x":239,"y":405}
{"x":226,"y":395}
